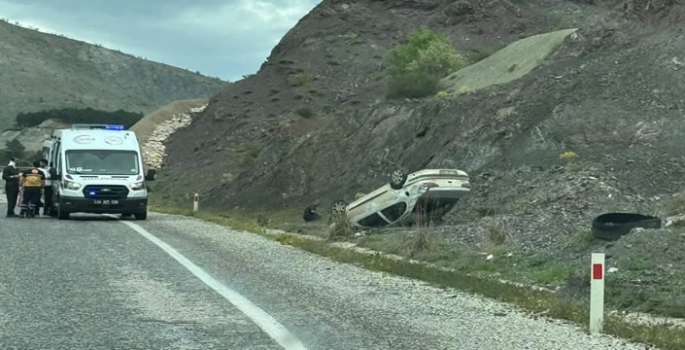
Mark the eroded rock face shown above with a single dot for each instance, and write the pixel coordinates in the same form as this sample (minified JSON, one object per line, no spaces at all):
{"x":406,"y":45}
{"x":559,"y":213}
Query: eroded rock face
{"x":154,"y":150}
{"x":459,"y":8}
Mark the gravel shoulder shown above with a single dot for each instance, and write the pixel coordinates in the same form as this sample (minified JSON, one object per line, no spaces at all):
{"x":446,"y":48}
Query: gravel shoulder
{"x":337,"y":306}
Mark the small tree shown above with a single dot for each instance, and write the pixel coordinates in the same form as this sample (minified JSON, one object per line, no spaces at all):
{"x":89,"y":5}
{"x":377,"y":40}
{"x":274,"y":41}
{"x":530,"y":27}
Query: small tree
{"x":4,"y":157}
{"x":415,"y":68}
{"x":14,"y":148}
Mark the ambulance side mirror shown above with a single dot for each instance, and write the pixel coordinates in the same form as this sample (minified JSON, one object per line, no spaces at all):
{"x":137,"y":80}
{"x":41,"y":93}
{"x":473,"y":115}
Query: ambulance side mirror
{"x":150,"y":175}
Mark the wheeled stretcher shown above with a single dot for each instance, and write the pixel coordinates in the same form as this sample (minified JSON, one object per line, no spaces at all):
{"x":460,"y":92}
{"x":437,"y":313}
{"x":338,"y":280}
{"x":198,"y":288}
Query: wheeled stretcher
{"x":29,"y":211}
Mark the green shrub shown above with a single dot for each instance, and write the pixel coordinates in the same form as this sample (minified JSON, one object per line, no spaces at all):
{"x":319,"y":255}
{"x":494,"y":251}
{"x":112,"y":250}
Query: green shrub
{"x":302,"y":79}
{"x":416,"y":67}
{"x":14,"y":148}
{"x":305,"y":112}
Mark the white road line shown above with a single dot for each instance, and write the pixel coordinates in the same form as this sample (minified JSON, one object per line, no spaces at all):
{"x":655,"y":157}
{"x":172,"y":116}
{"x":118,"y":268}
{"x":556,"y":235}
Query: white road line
{"x":267,"y":323}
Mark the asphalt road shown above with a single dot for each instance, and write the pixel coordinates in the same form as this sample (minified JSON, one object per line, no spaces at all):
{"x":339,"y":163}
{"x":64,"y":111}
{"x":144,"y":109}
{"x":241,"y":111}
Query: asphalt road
{"x":179,"y":283}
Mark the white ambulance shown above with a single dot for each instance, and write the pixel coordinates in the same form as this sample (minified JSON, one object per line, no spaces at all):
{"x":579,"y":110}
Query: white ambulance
{"x":100,"y":170}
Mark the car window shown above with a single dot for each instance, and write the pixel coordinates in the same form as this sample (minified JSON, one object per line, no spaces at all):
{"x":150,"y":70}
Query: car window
{"x":373,"y":220}
{"x":394,"y":212}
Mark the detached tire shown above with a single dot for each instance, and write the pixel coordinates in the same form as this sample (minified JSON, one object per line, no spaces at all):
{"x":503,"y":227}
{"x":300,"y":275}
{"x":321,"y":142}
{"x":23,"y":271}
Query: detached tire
{"x":398,"y":178}
{"x":612,"y":226}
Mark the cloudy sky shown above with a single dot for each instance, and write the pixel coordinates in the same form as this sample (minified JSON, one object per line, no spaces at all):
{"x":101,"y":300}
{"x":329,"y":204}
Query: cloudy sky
{"x":221,"y":38}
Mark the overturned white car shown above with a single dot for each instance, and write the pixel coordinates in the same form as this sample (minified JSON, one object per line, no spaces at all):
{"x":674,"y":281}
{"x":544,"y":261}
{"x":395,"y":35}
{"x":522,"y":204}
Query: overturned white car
{"x":428,"y":194}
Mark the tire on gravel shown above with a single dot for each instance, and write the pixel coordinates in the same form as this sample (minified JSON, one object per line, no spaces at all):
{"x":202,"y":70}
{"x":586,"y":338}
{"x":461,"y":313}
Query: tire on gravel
{"x":612,"y":226}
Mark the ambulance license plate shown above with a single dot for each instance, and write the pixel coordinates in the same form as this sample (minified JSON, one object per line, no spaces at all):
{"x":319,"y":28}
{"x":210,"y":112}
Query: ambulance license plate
{"x":106,"y":201}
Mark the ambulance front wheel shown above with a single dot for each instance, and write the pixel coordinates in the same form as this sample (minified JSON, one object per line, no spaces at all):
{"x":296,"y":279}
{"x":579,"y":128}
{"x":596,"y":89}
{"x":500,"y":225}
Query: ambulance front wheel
{"x":141,"y":216}
{"x":62,"y":214}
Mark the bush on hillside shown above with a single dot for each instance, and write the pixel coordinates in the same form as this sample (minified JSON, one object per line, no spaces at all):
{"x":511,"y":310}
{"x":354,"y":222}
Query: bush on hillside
{"x":14,"y":148}
{"x":415,"y":68}
{"x":4,"y":157}
{"x":79,"y":116}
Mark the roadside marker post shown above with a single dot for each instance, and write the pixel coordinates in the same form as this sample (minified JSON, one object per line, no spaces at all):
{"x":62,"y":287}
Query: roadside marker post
{"x":196,"y":202}
{"x":597,"y":293}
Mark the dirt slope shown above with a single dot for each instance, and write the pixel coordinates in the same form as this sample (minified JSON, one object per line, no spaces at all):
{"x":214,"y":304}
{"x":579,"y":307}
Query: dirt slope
{"x":42,"y":71}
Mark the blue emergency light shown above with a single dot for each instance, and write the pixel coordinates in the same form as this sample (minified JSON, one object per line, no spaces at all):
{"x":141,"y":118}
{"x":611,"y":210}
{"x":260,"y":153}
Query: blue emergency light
{"x":114,"y":127}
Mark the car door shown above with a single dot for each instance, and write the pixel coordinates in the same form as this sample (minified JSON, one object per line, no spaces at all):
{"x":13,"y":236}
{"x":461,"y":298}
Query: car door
{"x":372,"y":203}
{"x":394,"y":212}
{"x":374,"y":220}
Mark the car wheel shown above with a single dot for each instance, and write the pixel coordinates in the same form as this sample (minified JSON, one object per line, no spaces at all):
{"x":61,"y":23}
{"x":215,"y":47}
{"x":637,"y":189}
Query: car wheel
{"x":398,"y":178}
{"x":339,"y":208}
{"x":612,"y":226}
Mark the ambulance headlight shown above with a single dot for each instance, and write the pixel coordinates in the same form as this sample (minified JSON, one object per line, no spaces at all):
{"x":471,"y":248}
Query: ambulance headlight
{"x":137,"y":185}
{"x":71,"y":185}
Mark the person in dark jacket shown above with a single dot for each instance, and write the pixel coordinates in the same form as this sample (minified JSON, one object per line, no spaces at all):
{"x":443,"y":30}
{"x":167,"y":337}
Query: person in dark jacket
{"x":50,"y":176}
{"x":11,"y":175}
{"x":310,"y":213}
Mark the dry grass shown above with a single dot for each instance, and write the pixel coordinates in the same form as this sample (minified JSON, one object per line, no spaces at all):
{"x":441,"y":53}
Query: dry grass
{"x":499,"y":234}
{"x":676,"y":205}
{"x":341,"y":227}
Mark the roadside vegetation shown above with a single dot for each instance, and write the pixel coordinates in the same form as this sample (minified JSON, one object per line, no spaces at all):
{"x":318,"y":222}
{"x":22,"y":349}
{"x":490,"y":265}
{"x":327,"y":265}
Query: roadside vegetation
{"x":415,"y":68}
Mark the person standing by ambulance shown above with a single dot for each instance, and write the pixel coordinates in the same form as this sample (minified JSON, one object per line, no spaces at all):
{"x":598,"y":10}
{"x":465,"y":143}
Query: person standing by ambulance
{"x":32,"y":181}
{"x":11,"y":175}
{"x":50,"y":175}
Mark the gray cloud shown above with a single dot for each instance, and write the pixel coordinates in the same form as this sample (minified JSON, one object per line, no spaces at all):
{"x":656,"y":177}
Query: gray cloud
{"x":224,"y":38}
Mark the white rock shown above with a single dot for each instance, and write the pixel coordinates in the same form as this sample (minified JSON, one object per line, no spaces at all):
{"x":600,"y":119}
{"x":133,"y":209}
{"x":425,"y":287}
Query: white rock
{"x":154,"y":150}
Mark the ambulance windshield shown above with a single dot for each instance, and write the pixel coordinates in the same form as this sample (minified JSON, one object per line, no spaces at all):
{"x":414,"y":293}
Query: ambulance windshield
{"x":102,"y":162}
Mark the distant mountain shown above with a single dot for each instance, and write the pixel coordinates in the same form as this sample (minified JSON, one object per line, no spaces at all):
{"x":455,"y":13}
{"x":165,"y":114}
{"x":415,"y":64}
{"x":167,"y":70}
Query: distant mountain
{"x":40,"y":71}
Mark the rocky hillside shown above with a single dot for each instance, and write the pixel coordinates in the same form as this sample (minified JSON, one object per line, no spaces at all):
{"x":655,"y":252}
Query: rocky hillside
{"x":314,"y":122}
{"x":32,"y":138}
{"x":301,"y":127}
{"x":41,"y":71}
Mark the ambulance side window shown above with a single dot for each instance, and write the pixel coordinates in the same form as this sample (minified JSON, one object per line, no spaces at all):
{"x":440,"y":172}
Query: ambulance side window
{"x":46,"y":153}
{"x":56,"y":159}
